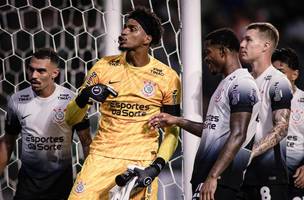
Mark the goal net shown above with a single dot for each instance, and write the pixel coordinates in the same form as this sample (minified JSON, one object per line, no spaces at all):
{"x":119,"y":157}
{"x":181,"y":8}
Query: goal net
{"x":78,"y":32}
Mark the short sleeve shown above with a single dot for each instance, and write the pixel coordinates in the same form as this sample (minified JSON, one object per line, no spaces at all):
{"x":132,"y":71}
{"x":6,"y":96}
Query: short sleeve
{"x":172,"y":97}
{"x":172,"y":94}
{"x":243,"y":95}
{"x":280,"y":94}
{"x":12,"y":123}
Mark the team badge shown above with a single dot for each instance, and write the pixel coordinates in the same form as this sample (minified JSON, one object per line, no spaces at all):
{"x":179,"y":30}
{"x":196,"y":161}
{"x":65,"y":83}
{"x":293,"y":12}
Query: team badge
{"x":79,"y":187}
{"x":218,"y":95}
{"x":58,"y":116}
{"x":149,"y":88}
{"x":296,"y":116}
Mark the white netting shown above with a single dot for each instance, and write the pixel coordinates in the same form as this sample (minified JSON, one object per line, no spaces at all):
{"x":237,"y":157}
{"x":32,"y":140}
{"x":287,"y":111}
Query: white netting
{"x":77,"y":30}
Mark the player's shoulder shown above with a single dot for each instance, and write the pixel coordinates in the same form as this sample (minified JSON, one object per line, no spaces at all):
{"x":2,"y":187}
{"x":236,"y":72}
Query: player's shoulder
{"x":161,"y":68}
{"x":277,"y":75}
{"x":111,"y":61}
{"x":22,"y":96}
{"x":64,"y":93}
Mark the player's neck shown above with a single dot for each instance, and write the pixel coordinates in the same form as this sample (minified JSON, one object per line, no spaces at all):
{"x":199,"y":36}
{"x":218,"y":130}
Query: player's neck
{"x":231,"y":66}
{"x":138,"y":58}
{"x":46,"y":92}
{"x":259,"y":66}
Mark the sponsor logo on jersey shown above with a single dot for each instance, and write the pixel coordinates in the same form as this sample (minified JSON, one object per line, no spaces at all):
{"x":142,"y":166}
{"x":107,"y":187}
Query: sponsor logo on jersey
{"x":235,"y":97}
{"x":91,"y":78}
{"x":112,"y":82}
{"x":174,"y":96}
{"x":149,"y":88}
{"x":301,"y":99}
{"x":23,"y":117}
{"x":252,"y":96}
{"x":24,"y":97}
{"x":64,"y":97}
{"x":232,"y":77}
{"x":79,"y":187}
{"x":49,"y":143}
{"x":211,"y":122}
{"x":268,"y":77}
{"x":277,"y":92}
{"x":114,"y":62}
{"x":128,"y":109}
{"x":157,"y":71}
{"x":58,"y":115}
{"x":291,"y":140}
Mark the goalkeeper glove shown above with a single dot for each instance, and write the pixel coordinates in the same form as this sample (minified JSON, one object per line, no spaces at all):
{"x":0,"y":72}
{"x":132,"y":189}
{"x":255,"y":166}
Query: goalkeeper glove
{"x":147,"y":175}
{"x":98,"y":92}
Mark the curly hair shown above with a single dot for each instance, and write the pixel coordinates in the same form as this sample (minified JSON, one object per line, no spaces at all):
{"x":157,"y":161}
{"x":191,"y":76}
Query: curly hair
{"x":149,"y":22}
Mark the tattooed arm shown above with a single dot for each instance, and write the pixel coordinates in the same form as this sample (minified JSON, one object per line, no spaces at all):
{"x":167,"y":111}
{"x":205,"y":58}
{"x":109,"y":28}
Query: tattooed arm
{"x":277,"y":133}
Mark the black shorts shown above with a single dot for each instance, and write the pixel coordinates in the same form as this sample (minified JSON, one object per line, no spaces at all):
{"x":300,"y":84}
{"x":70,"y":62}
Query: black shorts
{"x":221,"y":193}
{"x":263,"y":192}
{"x":295,"y":193}
{"x":54,"y":186}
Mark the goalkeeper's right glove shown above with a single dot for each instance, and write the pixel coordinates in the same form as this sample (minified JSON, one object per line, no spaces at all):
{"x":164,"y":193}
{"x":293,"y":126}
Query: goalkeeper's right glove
{"x":98,"y":92}
{"x":147,"y":175}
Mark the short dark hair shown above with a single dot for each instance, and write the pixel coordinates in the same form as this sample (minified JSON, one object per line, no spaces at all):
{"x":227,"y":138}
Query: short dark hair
{"x":224,"y":37}
{"x":288,"y":56}
{"x":47,"y":53}
{"x":149,"y":22}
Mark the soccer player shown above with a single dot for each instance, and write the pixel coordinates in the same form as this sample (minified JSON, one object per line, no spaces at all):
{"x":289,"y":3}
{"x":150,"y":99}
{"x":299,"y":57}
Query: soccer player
{"x":37,"y":112}
{"x":286,"y":60}
{"x":224,"y":149}
{"x":266,"y":177}
{"x":144,"y":86}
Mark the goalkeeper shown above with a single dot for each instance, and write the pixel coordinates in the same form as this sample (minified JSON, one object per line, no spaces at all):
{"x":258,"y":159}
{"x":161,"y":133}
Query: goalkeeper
{"x":145,"y":86}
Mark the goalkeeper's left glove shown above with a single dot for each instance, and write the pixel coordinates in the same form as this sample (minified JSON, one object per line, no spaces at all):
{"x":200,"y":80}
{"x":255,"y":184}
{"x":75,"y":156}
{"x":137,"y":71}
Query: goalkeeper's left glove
{"x":147,"y":175}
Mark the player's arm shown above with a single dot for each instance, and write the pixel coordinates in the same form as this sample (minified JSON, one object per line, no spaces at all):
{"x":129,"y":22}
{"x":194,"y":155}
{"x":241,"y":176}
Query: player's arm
{"x":91,"y":89}
{"x":8,"y":140}
{"x":242,"y":97}
{"x":277,"y":133}
{"x":167,"y":120}
{"x":238,"y":124}
{"x":7,"y":145}
{"x":280,"y":94}
{"x":299,"y":177}
{"x":83,"y":132}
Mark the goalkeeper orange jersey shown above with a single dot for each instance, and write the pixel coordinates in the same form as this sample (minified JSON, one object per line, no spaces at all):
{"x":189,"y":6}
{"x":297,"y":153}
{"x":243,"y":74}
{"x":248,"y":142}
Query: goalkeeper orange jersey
{"x":123,"y":130}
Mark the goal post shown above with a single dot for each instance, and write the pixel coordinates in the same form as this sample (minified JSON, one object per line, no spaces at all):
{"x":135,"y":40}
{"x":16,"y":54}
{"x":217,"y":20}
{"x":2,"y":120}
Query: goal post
{"x":191,"y":56}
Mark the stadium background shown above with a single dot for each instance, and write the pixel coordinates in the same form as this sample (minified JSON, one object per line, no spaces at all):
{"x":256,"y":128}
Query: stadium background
{"x":77,"y":30}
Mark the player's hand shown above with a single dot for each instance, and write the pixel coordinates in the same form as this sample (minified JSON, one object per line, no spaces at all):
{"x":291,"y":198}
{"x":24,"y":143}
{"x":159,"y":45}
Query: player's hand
{"x":299,"y":177}
{"x":208,"y":189}
{"x":162,"y":120}
{"x":98,"y":92}
{"x":147,"y":175}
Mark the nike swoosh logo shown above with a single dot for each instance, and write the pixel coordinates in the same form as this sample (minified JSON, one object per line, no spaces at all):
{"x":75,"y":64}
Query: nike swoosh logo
{"x":25,"y":116}
{"x":112,"y":82}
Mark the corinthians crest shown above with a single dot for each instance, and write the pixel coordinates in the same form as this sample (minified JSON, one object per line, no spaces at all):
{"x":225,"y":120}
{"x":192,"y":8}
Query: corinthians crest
{"x":149,"y":88}
{"x":58,"y":115}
